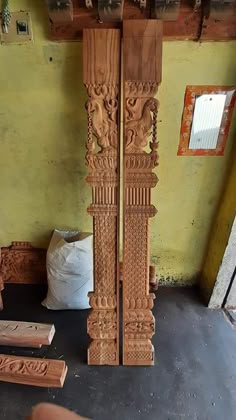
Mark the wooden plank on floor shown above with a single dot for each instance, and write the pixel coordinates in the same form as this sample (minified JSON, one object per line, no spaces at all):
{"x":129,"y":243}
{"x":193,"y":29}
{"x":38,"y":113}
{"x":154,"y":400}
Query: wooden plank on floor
{"x":25,"y":334}
{"x":32,"y":371}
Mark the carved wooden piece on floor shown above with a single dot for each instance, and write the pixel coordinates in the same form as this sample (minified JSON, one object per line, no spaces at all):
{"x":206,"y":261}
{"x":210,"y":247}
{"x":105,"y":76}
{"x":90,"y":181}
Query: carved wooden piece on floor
{"x":25,"y":334}
{"x":101,"y":54}
{"x":142,"y":74}
{"x":32,"y":371}
{"x":22,"y":263}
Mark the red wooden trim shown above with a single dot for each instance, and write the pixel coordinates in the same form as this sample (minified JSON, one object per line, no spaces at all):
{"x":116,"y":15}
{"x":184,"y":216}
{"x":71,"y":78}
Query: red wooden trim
{"x":189,"y":103}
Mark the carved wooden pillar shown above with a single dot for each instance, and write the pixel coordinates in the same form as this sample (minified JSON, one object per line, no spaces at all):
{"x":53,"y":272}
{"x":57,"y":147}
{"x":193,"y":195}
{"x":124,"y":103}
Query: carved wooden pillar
{"x":101,"y":62}
{"x":142,"y":74}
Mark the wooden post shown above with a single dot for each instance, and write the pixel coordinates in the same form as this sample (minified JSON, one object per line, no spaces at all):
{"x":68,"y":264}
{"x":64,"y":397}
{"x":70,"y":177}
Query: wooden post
{"x":101,"y":69}
{"x":141,"y":74}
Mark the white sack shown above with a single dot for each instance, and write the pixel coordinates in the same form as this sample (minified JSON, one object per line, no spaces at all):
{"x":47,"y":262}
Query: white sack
{"x":69,"y":270}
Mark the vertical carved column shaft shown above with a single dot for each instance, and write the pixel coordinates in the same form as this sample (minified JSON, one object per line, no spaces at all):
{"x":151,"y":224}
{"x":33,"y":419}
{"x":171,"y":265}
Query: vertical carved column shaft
{"x":101,"y":57}
{"x":142,"y":74}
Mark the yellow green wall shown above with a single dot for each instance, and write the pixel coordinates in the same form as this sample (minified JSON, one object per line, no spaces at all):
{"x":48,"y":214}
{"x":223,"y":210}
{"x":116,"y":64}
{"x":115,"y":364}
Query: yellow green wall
{"x":220,"y":232}
{"x":43,"y":134}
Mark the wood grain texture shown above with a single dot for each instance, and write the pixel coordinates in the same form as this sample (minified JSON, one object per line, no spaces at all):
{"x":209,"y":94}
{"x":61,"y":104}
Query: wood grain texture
{"x":23,"y":263}
{"x":101,"y":56}
{"x":25,"y":334}
{"x":101,"y":50}
{"x":140,"y":123}
{"x":142,"y":50}
{"x":32,"y":371}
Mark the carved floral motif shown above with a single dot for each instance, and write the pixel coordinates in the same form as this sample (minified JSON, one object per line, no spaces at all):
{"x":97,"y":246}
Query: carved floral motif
{"x":102,"y":324}
{"x":23,"y":367}
{"x":139,"y":325}
{"x":140,"y":302}
{"x":102,"y":302}
{"x":137,"y":88}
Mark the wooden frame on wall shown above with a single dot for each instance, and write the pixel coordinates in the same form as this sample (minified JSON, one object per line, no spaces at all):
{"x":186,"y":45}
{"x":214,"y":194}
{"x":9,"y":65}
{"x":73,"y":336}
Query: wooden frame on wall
{"x":191,"y":93}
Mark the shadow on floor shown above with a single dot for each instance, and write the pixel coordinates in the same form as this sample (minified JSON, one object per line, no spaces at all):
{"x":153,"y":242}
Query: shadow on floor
{"x":194,"y":376}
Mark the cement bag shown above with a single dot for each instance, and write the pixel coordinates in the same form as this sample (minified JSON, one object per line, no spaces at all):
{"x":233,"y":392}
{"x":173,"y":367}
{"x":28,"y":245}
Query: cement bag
{"x":69,"y":270}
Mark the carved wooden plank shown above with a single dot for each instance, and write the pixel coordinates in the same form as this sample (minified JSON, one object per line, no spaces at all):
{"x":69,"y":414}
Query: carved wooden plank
{"x":32,"y":371}
{"x":142,"y":74}
{"x":25,"y":334}
{"x":101,"y":61}
{"x":1,"y":286}
{"x":23,"y":263}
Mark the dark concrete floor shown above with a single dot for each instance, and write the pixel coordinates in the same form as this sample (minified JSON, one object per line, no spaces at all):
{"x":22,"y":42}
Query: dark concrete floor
{"x":194,"y":376}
